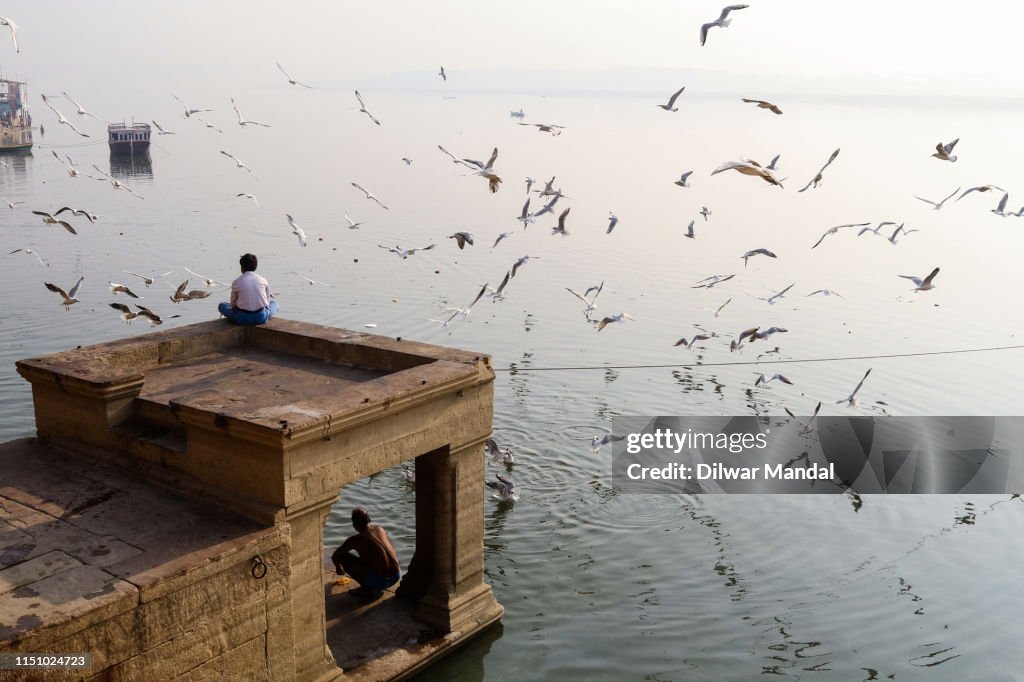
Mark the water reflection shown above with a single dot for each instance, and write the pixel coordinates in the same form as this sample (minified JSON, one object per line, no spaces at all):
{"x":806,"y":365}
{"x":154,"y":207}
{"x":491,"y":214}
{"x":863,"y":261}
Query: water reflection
{"x":131,"y":167}
{"x":17,"y":161}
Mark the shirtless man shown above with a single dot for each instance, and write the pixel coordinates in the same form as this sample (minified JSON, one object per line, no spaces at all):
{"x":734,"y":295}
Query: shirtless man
{"x":367,"y":557}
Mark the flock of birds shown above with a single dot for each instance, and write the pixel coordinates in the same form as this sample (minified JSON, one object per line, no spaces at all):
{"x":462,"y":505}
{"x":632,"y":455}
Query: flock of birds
{"x":548,"y":197}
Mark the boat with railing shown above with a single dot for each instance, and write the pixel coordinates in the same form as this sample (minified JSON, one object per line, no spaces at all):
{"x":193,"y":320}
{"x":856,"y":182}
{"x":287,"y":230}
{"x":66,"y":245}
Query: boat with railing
{"x":15,"y":121}
{"x":128,"y":138}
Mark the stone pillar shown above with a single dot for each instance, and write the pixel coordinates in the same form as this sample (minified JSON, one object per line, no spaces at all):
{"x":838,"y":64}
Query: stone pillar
{"x":448,"y":567}
{"x":313,"y":658}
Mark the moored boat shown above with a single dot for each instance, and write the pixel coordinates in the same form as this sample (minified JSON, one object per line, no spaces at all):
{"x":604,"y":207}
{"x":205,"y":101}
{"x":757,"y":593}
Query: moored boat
{"x":15,"y":121}
{"x":128,"y":138}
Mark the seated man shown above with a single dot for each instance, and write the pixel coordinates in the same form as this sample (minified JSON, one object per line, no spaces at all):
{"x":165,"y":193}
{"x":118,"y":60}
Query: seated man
{"x":374,"y":565}
{"x":251,"y":300}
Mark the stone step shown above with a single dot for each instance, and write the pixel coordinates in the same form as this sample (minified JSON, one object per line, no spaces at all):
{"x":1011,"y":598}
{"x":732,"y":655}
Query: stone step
{"x":156,"y":413}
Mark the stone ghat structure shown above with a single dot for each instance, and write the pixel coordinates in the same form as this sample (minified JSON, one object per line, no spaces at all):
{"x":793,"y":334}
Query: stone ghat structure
{"x":169,"y":517}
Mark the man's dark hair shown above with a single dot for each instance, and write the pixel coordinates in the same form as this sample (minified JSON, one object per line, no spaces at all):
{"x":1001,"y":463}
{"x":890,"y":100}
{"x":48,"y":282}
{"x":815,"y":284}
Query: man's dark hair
{"x":360,"y":518}
{"x":248,"y":262}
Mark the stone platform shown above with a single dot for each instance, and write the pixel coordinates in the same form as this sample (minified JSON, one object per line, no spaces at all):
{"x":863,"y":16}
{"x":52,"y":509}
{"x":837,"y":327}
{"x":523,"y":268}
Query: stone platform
{"x":264,"y":424}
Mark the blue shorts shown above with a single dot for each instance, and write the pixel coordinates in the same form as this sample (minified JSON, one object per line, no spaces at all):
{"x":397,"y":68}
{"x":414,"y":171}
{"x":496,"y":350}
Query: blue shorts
{"x":375,"y":583}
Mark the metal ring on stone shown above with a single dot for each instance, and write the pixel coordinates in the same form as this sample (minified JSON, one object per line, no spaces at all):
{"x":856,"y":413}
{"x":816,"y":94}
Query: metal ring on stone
{"x":259,"y":568}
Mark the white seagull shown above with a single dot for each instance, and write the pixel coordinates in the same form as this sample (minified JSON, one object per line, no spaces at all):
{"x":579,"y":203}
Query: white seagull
{"x":352,"y":225}
{"x":591,"y":303}
{"x":560,"y":227}
{"x":613,"y":220}
{"x":369,"y":195}
{"x":833,"y":230}
{"x":33,"y":253}
{"x":4,"y":21}
{"x":611,"y":319}
{"x":296,"y":230}
{"x":289,"y":77}
{"x":525,"y":217}
{"x":189,"y":111}
{"x":922,"y":284}
{"x":816,"y":180}
{"x":148,"y":280}
{"x":711,"y":281}
{"x":116,"y":184}
{"x":208,"y":280}
{"x":806,"y":428}
{"x":756,"y":252}
{"x":938,"y":205}
{"x":50,"y":220}
{"x":749,"y":167}
{"x":486,"y":170}
{"x":208,"y":124}
{"x":520,"y":263}
{"x":1000,"y":210}
{"x":81,"y":109}
{"x":60,"y":117}
{"x":825,"y":292}
{"x":362,"y":108}
{"x":690,"y":344}
{"x":683,"y":179}
{"x":242,"y":120}
{"x":123,"y":289}
{"x":503,"y":235}
{"x":405,"y":253}
{"x":598,"y":442}
{"x":309,"y":281}
{"x":761,"y":104}
{"x":722,"y":21}
{"x":505,"y":489}
{"x":495,"y":454}
{"x":127,"y":314}
{"x":776,"y":296}
{"x":851,"y":401}
{"x":238,"y":163}
{"x":764,"y":381}
{"x":249,"y":196}
{"x":981,"y":188}
{"x":719,"y":309}
{"x":69,"y":297}
{"x":160,"y":130}
{"x":672,"y":100}
{"x":944,"y":152}
{"x":689,"y":230}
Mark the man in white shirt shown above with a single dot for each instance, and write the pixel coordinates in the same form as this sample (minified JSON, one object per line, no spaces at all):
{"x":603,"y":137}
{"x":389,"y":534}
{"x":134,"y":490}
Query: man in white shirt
{"x":251,"y":300}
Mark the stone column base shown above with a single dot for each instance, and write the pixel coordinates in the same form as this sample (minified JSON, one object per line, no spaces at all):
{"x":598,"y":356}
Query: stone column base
{"x":460,"y":613}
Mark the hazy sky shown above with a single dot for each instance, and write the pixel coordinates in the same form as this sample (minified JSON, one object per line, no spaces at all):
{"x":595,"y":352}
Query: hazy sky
{"x":74,"y":44}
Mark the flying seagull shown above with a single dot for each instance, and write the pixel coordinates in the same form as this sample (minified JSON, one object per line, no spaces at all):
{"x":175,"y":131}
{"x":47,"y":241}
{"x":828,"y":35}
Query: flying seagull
{"x":12,"y":204}
{"x":937,"y":206}
{"x":749,"y":167}
{"x":689,"y":344}
{"x":825,"y":292}
{"x":776,"y":296}
{"x":462,"y":238}
{"x":546,"y":127}
{"x":208,"y":124}
{"x":4,"y":21}
{"x":249,"y":196}
{"x":560,"y":228}
{"x":590,"y":302}
{"x":851,"y":401}
{"x":238,"y":163}
{"x":309,"y":281}
{"x":242,"y":120}
{"x":722,"y":21}
{"x":33,"y":253}
{"x":719,"y":310}
{"x":503,"y":235}
{"x":117,"y":184}
{"x":369,"y":195}
{"x":209,"y":281}
{"x":689,"y":230}
{"x":443,"y":75}
{"x":486,"y":170}
{"x":806,"y":427}
{"x":833,"y":230}
{"x":944,"y":152}
{"x":611,"y":319}
{"x":520,"y":263}
{"x":153,"y":318}
{"x":817,"y":178}
{"x":775,"y":160}
{"x":405,"y":253}
{"x":147,"y":280}
{"x":127,"y":314}
{"x":69,"y":297}
{"x":526,"y":217}
{"x":91,"y":217}
{"x":362,"y":108}
{"x":764,"y":381}
{"x":711,"y":281}
{"x":922,"y":284}
{"x":122,"y":288}
{"x":81,"y":110}
{"x":671,"y":106}
{"x":613,"y":220}
{"x":981,"y":188}
{"x":296,"y":230}
{"x":761,"y":104}
{"x":756,"y":252}
{"x":289,"y":77}
{"x":682,"y":181}
{"x":60,"y":117}
{"x":160,"y":130}
{"x":189,"y":111}
{"x":547,"y":208}
{"x":892,"y":239}
{"x":50,"y":220}
{"x":1000,"y":209}
{"x":352,"y":225}
{"x":875,"y":230}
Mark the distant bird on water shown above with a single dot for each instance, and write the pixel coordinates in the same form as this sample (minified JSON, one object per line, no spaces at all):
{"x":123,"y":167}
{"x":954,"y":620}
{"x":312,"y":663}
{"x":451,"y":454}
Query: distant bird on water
{"x":722,"y":21}
{"x":671,"y":105}
{"x":598,"y":442}
{"x":505,"y":489}
{"x":761,"y":104}
{"x":289,"y":77}
{"x":69,"y":297}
